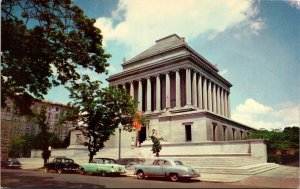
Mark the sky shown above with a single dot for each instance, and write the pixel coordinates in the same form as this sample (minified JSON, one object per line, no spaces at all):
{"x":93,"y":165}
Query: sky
{"x":255,"y":45}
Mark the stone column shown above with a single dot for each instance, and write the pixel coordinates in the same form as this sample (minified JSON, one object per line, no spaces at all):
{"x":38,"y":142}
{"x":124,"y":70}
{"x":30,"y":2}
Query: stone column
{"x":124,"y":86}
{"x":222,"y":102}
{"x":200,"y":104}
{"x":178,"y":95}
{"x":140,"y":97}
{"x":229,"y":111}
{"x":158,"y":96}
{"x":168,"y":97}
{"x":214,"y":98}
{"x":204,"y":93}
{"x":218,"y":100}
{"x":131,"y":90}
{"x":148,"y":95}
{"x":225,"y":104}
{"x":188,"y":86}
{"x":194,"y":90}
{"x":209,"y":96}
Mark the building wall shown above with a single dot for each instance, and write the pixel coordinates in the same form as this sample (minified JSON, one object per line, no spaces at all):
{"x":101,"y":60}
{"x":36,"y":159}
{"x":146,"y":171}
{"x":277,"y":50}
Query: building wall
{"x":13,"y":125}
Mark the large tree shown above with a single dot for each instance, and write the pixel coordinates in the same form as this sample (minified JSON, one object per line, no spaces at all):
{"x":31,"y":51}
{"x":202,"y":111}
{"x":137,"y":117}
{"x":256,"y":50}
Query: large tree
{"x":101,"y":110}
{"x":45,"y":43}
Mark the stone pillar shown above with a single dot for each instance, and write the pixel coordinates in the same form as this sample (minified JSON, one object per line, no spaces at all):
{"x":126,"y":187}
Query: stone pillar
{"x":168,"y":96}
{"x":194,"y":90}
{"x":209,"y":96}
{"x":124,"y":86}
{"x":225,"y":104}
{"x":214,"y":99}
{"x":131,"y":91}
{"x":178,"y":95}
{"x":188,"y":86}
{"x":222,"y":102}
{"x":218,"y":99}
{"x":229,"y":111}
{"x":140,"y":97}
{"x":200,"y":104}
{"x":158,"y":96}
{"x":148,"y":95}
{"x":204,"y":93}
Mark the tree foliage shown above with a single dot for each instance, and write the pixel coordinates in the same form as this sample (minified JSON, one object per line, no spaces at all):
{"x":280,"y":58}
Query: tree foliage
{"x":278,"y":140}
{"x":46,"y":43}
{"x":101,"y":110}
{"x":156,"y":147}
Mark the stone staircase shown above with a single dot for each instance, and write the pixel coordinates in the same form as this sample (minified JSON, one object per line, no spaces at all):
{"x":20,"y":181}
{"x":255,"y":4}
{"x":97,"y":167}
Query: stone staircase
{"x":229,"y":165}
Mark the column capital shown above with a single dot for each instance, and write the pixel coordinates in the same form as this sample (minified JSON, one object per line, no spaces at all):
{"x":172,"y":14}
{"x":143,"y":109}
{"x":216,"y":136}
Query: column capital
{"x":157,"y":75}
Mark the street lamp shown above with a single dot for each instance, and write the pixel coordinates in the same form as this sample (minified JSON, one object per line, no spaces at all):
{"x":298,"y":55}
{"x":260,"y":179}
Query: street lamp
{"x":120,"y":126}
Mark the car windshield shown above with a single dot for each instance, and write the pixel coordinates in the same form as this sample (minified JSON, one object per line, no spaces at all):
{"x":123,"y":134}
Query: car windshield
{"x":178,"y":163}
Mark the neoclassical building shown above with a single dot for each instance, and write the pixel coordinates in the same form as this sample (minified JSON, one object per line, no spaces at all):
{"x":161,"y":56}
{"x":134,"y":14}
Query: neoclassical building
{"x":181,"y":95}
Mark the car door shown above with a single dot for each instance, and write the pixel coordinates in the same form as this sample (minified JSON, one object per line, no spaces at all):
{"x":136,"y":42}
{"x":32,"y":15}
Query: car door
{"x":156,"y":170}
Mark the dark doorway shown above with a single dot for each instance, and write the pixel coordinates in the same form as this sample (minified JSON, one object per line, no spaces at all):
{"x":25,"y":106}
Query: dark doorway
{"x":143,"y":134}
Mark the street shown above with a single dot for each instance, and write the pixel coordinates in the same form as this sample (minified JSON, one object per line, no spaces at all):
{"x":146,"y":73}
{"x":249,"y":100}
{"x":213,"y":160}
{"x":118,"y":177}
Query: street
{"x":282,"y":177}
{"x":38,"y":179}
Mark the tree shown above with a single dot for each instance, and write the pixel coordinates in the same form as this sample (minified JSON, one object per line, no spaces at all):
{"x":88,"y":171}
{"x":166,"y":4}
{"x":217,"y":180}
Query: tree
{"x":15,"y":147}
{"x":40,"y":118}
{"x":101,"y":110}
{"x":156,"y":147}
{"x":45,"y":43}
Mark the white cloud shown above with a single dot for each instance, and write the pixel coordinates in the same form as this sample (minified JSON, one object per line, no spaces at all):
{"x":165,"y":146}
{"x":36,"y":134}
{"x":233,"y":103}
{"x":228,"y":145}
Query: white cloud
{"x":258,"y":115}
{"x":144,"y":21}
{"x":294,"y":3}
{"x":111,"y":69}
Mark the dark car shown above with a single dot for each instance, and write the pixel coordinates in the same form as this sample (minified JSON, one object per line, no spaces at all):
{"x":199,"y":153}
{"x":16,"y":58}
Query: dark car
{"x":61,"y":165}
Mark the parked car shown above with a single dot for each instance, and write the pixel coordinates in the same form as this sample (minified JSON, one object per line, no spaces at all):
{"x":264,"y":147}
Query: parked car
{"x":174,"y":169}
{"x":61,"y":165}
{"x":102,"y":166}
{"x":11,"y":164}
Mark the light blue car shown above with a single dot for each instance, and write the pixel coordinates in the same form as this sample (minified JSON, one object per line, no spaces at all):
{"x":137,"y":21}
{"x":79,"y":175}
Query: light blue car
{"x":174,"y":169}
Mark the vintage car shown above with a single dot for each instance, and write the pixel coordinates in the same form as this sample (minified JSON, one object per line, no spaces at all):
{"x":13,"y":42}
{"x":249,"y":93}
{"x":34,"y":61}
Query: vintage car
{"x":102,"y":166}
{"x":174,"y":169}
{"x":61,"y":165}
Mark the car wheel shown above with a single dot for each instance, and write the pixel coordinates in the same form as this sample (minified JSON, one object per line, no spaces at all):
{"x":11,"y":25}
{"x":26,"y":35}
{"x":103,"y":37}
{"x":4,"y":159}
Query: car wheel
{"x":103,"y":173}
{"x":174,"y":177}
{"x":81,"y":171}
{"x":60,"y":171}
{"x":140,"y":175}
{"x":46,"y":170}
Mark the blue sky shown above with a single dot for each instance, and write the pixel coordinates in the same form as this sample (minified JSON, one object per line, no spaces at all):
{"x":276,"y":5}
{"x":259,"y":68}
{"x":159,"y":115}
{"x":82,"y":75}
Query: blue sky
{"x":255,"y":45}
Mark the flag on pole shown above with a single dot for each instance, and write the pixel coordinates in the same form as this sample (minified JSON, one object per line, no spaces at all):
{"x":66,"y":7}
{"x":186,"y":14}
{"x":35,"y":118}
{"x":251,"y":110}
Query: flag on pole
{"x":137,"y":119}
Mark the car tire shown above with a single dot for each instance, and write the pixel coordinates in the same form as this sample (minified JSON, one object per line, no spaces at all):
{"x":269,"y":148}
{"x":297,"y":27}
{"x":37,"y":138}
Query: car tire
{"x":81,"y":171}
{"x":174,"y":177}
{"x":46,"y":170}
{"x":60,"y":171}
{"x":103,"y":174}
{"x":140,"y":175}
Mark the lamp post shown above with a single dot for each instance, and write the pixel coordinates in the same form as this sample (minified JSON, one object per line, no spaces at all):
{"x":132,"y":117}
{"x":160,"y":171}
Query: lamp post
{"x":120,"y":126}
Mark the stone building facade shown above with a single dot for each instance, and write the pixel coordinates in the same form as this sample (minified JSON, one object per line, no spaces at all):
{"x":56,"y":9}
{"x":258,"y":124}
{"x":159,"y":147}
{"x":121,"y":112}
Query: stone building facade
{"x":13,"y":125}
{"x":181,"y":95}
